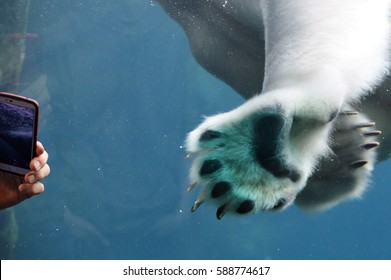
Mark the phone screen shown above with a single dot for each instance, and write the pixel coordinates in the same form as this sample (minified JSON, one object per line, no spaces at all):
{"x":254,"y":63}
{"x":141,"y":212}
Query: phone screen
{"x":17,"y":134}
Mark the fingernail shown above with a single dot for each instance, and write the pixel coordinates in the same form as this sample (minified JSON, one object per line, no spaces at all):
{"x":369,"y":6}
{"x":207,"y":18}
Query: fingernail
{"x":31,"y":179}
{"x":21,"y":188}
{"x":37,"y":165}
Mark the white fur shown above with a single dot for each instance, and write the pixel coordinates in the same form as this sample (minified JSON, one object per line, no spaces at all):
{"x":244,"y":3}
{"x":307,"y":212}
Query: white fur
{"x":345,"y":41}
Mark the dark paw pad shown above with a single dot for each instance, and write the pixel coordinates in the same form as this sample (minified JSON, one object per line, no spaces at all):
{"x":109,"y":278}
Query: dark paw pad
{"x":271,"y":131}
{"x":210,"y":135}
{"x":220,"y":189}
{"x":210,"y":166}
{"x":245,"y":207}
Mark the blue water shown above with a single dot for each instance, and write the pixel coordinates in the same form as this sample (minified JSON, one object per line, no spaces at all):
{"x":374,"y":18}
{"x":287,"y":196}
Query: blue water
{"x":124,"y":91}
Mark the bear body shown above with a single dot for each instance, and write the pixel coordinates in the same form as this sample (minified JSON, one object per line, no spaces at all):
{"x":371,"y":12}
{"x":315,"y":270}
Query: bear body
{"x":303,"y":136}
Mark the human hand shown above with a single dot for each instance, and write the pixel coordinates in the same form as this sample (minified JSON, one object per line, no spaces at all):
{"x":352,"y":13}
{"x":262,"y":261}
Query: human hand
{"x":16,"y":188}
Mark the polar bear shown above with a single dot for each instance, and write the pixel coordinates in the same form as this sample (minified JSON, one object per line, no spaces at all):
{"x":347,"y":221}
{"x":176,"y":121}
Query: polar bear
{"x":306,"y":134}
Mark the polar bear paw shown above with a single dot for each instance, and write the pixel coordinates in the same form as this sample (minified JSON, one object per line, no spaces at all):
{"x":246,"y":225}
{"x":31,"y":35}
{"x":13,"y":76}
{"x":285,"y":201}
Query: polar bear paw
{"x":346,"y":172}
{"x":256,"y":157}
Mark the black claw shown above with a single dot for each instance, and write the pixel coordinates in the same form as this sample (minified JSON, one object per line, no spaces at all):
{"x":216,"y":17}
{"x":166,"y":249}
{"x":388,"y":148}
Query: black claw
{"x":220,"y":189}
{"x":369,"y":146}
{"x":349,"y":113}
{"x":210,"y":166}
{"x":220,"y":211}
{"x":246,"y":206}
{"x":210,"y":135}
{"x":372,"y":133}
{"x":364,"y":125}
{"x":280,"y":204}
{"x":358,"y":163}
{"x":196,"y":204}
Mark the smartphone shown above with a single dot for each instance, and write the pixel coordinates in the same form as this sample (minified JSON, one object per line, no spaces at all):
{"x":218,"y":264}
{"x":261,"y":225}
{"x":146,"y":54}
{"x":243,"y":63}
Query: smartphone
{"x":18,"y":132}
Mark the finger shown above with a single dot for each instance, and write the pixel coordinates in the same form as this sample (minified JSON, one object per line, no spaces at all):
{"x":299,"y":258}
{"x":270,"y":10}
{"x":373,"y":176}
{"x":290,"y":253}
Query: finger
{"x":29,"y":190}
{"x":34,"y":176}
{"x":39,"y":149}
{"x":38,"y":162}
